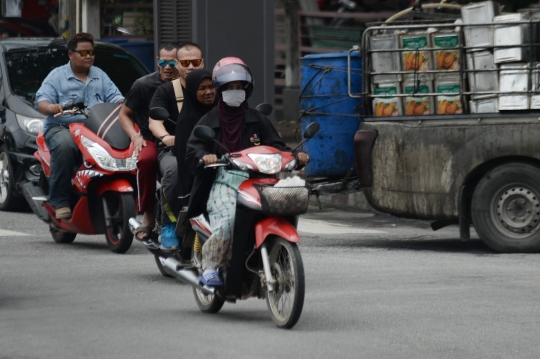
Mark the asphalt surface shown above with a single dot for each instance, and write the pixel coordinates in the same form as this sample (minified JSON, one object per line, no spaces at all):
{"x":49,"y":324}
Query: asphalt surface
{"x":376,"y":287}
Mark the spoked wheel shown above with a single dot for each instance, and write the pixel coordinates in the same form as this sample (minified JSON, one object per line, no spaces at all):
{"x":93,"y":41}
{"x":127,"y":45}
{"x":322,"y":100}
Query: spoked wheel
{"x":160,"y":267}
{"x":121,"y":207}
{"x":208,"y":303}
{"x":287,"y":300}
{"x":62,"y":237}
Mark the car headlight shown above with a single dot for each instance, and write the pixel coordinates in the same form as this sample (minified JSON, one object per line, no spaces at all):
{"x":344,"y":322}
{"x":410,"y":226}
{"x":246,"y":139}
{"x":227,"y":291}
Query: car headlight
{"x":268,"y":164}
{"x":105,"y":160}
{"x":30,"y":124}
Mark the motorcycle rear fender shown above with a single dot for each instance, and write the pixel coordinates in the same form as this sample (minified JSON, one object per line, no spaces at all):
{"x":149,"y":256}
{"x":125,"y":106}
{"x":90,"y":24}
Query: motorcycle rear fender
{"x":275,"y":226}
{"x":116,"y":185}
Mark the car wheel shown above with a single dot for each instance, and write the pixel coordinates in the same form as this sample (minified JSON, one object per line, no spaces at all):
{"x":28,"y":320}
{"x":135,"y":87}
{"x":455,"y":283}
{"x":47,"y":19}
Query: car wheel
{"x":8,"y":199}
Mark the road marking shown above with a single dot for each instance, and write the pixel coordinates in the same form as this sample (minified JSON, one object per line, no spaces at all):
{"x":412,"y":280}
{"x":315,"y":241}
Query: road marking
{"x":4,"y":233}
{"x":320,"y":227}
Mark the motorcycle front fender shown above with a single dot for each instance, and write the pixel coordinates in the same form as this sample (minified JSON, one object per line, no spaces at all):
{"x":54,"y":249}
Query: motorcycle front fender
{"x":275,"y":226}
{"x":116,"y":185}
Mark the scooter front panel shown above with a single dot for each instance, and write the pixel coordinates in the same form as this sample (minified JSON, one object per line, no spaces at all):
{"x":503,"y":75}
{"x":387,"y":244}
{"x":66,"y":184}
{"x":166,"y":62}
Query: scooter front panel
{"x":248,"y":195}
{"x":276,"y":226}
{"x":83,"y":178}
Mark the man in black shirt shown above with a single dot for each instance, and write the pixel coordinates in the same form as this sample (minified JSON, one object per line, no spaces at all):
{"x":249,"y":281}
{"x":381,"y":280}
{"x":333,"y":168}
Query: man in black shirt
{"x":135,"y":111}
{"x":190,"y":58}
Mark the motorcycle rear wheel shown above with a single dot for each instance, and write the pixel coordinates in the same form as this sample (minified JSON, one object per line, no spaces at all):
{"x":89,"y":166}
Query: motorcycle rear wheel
{"x":121,"y":208}
{"x":208,"y":303}
{"x":285,"y":303}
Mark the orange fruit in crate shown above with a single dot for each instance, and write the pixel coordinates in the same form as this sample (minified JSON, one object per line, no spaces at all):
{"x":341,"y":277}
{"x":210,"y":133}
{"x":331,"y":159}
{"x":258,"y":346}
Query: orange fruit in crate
{"x":440,"y":59}
{"x":442,"y":107}
{"x":379,"y":109}
{"x":410,"y":108}
{"x":388,"y":110}
{"x":451,"y":109}
{"x":448,"y":60}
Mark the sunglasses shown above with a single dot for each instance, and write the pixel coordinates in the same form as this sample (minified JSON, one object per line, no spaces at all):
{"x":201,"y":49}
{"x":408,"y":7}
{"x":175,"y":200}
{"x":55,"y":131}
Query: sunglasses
{"x":195,"y":63}
{"x":85,"y":52}
{"x":164,"y":63}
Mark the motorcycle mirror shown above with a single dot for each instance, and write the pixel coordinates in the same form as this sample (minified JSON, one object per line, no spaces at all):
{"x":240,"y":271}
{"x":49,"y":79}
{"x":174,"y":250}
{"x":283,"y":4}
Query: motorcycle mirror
{"x":312,"y":130}
{"x":207,"y":134}
{"x":158,"y":113}
{"x":204,"y":133}
{"x":264,"y":108}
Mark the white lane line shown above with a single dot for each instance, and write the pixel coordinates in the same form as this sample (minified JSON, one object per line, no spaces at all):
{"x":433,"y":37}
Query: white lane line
{"x":4,"y":233}
{"x":320,"y":227}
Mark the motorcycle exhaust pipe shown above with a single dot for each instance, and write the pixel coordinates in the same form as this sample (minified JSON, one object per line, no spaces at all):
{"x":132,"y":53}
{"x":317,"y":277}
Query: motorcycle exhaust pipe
{"x":149,"y":244}
{"x":174,"y":268}
{"x":133,"y":224}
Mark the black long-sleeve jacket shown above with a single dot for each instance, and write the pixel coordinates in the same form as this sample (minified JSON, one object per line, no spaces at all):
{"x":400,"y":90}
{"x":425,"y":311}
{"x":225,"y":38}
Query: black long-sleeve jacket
{"x":258,"y":130}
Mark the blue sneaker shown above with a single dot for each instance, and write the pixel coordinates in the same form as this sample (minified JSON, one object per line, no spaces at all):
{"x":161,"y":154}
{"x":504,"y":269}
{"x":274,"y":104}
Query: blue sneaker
{"x":210,"y":278}
{"x":169,"y":239}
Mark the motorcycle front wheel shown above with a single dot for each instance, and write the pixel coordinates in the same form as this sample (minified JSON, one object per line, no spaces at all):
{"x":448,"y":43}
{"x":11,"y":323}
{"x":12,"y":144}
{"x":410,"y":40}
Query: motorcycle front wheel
{"x":286,"y":301}
{"x":121,"y":207}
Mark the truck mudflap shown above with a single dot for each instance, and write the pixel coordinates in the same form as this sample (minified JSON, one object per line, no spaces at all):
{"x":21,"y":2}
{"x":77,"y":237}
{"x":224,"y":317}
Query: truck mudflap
{"x":363,"y":145}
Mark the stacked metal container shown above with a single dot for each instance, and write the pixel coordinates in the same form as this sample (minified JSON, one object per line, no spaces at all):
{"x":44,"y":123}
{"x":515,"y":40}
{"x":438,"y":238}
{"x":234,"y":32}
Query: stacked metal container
{"x":481,"y":68}
{"x":385,"y":85}
{"x":514,"y":75}
{"x":447,"y":61}
{"x":417,"y":61}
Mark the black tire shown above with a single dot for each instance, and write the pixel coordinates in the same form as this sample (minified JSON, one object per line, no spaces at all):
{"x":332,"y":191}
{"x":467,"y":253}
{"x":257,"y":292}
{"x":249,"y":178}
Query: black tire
{"x":208,"y":303}
{"x":506,"y":208}
{"x":285,"y":303}
{"x":62,"y":237}
{"x":9,"y":201}
{"x":160,"y":267}
{"x":121,"y":207}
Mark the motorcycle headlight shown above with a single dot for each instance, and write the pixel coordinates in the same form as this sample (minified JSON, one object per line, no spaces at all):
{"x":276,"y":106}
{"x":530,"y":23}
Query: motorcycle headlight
{"x":30,"y":124}
{"x":105,"y":160}
{"x":243,"y":166}
{"x":268,"y":164}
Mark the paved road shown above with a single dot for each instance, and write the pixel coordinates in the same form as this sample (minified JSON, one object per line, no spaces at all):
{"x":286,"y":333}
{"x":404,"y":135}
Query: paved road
{"x":377,"y":287}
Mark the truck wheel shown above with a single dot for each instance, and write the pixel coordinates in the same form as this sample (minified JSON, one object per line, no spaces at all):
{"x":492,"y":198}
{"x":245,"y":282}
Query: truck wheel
{"x":506,"y":208}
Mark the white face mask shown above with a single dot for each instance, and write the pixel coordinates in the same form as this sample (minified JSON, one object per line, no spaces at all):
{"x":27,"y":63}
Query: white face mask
{"x":234,"y":98}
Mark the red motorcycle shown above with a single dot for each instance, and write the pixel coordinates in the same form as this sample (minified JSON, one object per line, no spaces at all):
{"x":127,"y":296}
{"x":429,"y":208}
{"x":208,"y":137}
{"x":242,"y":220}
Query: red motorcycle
{"x":265,"y":261}
{"x":103,"y":196}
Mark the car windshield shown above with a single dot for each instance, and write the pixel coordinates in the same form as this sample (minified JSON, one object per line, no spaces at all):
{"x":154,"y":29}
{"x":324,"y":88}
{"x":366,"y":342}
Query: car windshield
{"x":27,"y":68}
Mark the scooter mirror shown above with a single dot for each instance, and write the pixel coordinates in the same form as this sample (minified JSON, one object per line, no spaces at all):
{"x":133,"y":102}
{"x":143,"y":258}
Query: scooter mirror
{"x":158,"y":113}
{"x":204,"y":133}
{"x":264,"y":108}
{"x":312,"y":130}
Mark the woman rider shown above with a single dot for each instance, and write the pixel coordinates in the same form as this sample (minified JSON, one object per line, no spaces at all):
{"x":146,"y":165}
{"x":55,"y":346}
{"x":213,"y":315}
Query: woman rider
{"x":236,"y":127}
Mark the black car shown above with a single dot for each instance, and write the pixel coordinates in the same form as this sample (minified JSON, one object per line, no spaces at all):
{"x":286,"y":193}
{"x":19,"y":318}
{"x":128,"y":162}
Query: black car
{"x":24,"y":64}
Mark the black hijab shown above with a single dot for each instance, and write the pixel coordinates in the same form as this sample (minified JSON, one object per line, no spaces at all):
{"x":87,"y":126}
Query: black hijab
{"x":232,"y":125}
{"x":192,"y":111}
